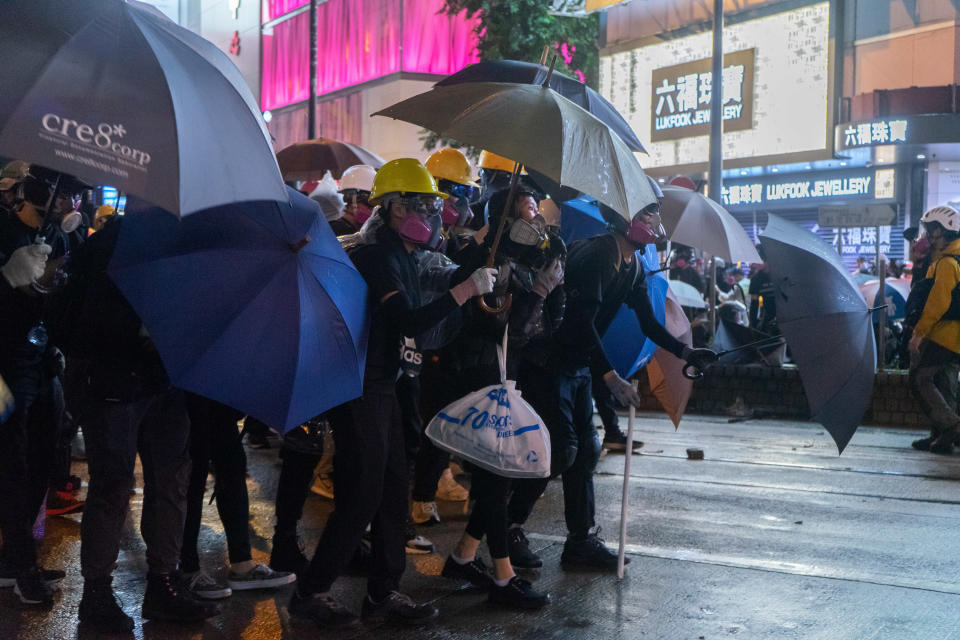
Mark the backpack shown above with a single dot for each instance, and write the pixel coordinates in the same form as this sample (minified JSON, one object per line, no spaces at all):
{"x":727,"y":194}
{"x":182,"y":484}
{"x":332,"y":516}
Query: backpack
{"x":917,"y":300}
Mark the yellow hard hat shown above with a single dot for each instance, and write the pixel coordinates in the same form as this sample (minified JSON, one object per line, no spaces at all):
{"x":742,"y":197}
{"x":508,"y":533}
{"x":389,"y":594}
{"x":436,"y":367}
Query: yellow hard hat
{"x":403,"y":175}
{"x":450,"y":164}
{"x":489,"y":160}
{"x":104,"y":210}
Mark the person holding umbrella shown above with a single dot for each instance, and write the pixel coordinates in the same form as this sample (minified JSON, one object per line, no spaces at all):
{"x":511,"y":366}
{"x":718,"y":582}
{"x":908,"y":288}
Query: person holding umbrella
{"x":602,"y":274}
{"x":370,"y":466}
{"x":936,"y":337}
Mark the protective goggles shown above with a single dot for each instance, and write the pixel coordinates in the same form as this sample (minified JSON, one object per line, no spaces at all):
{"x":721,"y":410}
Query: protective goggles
{"x":359,"y":194}
{"x":458,"y":190}
{"x":424,"y":205}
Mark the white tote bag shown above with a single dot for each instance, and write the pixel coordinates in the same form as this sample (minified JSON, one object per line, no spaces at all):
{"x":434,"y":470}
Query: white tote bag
{"x":495,"y":429}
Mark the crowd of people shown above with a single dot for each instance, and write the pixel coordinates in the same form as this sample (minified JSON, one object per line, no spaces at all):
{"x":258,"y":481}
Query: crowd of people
{"x":451,"y":265}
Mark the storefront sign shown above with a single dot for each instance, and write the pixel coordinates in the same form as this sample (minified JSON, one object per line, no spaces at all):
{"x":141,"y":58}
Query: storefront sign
{"x":922,"y":129}
{"x":682,"y":94}
{"x":810,"y":189}
{"x":864,"y":215}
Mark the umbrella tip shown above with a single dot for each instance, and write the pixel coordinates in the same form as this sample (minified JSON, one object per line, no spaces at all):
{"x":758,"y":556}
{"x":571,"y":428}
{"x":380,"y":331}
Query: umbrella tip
{"x":295,"y":247}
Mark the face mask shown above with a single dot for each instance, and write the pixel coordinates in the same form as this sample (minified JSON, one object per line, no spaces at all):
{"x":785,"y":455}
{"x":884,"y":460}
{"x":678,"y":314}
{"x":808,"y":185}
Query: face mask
{"x":645,"y":229}
{"x":528,"y":234}
{"x":363,"y":214}
{"x":456,"y":214}
{"x":70,"y":222}
{"x":681,"y":263}
{"x":414,"y":229}
{"x":437,"y":240}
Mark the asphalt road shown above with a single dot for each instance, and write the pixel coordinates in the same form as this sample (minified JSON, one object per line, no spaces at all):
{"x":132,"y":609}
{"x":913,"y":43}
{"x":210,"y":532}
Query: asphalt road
{"x":772,"y":535}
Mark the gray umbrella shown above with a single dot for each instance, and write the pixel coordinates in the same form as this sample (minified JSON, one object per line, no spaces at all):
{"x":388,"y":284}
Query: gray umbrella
{"x":826,"y":323}
{"x":115,"y":93}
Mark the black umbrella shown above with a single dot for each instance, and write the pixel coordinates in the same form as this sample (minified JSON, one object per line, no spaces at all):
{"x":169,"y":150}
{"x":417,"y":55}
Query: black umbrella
{"x":826,"y":323}
{"x":311,"y":159}
{"x":115,"y":93}
{"x":570,"y":88}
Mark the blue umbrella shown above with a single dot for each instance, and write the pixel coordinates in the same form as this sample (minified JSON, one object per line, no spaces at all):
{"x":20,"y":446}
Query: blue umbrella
{"x":254,"y":305}
{"x":626,"y":346}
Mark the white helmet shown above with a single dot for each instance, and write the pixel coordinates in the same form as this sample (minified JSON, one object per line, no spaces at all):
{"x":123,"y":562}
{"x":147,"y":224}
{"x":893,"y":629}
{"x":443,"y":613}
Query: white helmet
{"x":945,"y":215}
{"x":359,"y":177}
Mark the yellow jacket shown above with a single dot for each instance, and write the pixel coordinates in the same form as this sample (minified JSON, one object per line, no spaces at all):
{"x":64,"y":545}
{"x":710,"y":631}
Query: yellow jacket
{"x":946,"y":273}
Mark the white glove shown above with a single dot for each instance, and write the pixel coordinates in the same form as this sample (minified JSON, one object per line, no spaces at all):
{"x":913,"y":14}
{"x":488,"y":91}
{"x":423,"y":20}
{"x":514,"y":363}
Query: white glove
{"x":622,"y":390}
{"x":548,"y":278}
{"x":26,"y":264}
{"x":479,"y":283}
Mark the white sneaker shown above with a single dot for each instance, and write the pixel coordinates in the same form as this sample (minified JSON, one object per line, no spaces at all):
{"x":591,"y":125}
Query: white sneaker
{"x":424,"y":513}
{"x":260,"y":577}
{"x":449,"y":489}
{"x":323,"y":486}
{"x":417,"y":545}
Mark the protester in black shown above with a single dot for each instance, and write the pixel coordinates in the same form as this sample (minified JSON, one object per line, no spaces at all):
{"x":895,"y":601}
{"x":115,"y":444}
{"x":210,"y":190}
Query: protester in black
{"x":370,"y":467}
{"x":602,"y":274}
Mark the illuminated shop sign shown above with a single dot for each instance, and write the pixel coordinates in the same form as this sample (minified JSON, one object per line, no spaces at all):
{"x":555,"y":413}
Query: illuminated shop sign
{"x":784,"y":104}
{"x":810,"y":189}
{"x":682,"y":94}
{"x":921,"y":129}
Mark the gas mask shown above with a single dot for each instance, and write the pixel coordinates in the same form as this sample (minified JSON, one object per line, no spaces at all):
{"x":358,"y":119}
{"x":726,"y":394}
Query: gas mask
{"x":415,"y":225}
{"x":645,"y":228}
{"x":363,"y":214}
{"x":437,"y":240}
{"x":528,"y":234}
{"x":456,"y":212}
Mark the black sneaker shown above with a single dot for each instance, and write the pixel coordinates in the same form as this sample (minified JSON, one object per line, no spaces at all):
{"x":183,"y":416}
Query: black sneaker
{"x":8,"y":577}
{"x":943,"y":445}
{"x":923,"y":444}
{"x":31,"y":588}
{"x":518,"y":594}
{"x":100,"y":609}
{"x":399,"y":607}
{"x":323,"y":609}
{"x":521,"y":556}
{"x":287,"y":555}
{"x":167,"y":598}
{"x":62,"y":502}
{"x":617,"y":441}
{"x":589,"y":551}
{"x":475,"y":572}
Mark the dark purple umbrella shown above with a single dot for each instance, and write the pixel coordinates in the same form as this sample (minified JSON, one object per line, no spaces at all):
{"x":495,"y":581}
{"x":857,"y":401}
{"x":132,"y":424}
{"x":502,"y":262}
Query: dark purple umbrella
{"x":570,"y":88}
{"x":113,"y":92}
{"x":311,"y":159}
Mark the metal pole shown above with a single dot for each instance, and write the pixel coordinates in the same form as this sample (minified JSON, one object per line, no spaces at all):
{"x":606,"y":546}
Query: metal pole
{"x":312,"y":103}
{"x":882,"y":325}
{"x":716,"y":140}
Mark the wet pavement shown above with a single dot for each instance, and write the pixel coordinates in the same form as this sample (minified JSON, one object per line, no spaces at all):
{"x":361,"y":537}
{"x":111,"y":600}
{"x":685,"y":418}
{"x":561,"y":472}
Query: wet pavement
{"x":772,"y":535}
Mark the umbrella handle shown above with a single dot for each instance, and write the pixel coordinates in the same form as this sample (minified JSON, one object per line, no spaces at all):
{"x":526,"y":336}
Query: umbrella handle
{"x":504,"y":306}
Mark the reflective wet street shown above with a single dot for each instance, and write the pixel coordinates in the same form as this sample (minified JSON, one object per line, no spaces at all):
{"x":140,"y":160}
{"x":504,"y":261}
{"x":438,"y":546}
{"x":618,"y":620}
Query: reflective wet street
{"x":771,"y":535}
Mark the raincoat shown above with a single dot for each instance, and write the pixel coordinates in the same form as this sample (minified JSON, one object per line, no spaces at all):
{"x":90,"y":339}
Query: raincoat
{"x":946,"y":273}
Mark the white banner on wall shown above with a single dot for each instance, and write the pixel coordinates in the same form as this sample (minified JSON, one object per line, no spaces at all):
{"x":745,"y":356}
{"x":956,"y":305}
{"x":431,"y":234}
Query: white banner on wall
{"x":790,"y":91}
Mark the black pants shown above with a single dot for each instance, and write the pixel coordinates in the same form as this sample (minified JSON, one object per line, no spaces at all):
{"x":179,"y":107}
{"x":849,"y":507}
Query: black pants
{"x":370,"y":484}
{"x":29,"y":439}
{"x":563,"y":399}
{"x":606,"y":407}
{"x":438,"y":391}
{"x":408,"y":397}
{"x":214,"y":438}
{"x":933,"y":380}
{"x":489,"y":515}
{"x":158,"y":428}
{"x":296,"y":472}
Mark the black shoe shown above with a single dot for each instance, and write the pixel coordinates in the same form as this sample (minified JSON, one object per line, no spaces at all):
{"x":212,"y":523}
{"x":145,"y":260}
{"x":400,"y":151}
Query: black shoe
{"x":519,"y":594}
{"x":589,"y":551}
{"x":617,"y":441}
{"x":8,"y":577}
{"x":475,"y":572}
{"x":287,"y":555}
{"x":943,"y":445}
{"x":167,"y":598}
{"x":521,"y":556}
{"x":32,"y":588}
{"x":100,"y":610}
{"x":922,"y":444}
{"x":324,"y":610}
{"x":399,"y":607}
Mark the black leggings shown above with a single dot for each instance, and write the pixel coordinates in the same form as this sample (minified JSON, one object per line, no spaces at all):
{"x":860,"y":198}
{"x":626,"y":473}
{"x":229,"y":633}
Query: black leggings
{"x":489,"y":516}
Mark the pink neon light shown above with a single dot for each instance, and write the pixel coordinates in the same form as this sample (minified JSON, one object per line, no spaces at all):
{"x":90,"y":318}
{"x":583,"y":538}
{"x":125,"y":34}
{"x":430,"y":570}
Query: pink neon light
{"x":360,"y":40}
{"x":271,"y":9}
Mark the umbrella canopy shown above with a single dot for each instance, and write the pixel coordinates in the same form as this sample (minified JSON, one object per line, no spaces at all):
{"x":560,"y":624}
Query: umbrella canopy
{"x":686,"y":295}
{"x":897,"y":292}
{"x":113,"y":92}
{"x":310,"y":160}
{"x":254,"y":305}
{"x":695,"y":220}
{"x":665,"y":371}
{"x":539,"y":128}
{"x":570,"y":88}
{"x":826,"y":323}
